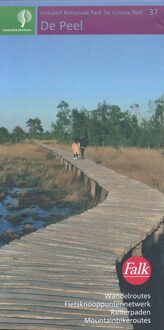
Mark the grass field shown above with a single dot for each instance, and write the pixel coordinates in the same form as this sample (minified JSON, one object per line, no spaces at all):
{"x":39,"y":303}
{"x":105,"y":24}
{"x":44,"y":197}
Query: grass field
{"x":145,"y":165}
{"x":27,"y":165}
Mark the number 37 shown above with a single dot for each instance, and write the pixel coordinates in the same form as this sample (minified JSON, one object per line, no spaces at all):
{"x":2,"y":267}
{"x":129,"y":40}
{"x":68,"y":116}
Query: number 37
{"x":153,"y":11}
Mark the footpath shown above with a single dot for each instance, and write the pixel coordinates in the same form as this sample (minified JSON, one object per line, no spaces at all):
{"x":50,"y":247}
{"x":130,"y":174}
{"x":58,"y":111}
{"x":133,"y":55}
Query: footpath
{"x":64,"y":276}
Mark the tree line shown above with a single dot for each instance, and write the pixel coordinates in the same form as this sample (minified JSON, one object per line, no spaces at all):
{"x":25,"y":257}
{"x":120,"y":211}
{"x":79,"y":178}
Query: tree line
{"x":35,"y":130}
{"x":107,"y":125}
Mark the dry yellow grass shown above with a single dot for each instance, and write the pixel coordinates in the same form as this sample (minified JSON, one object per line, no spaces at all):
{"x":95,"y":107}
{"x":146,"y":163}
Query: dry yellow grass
{"x":38,"y":167}
{"x":145,"y":165}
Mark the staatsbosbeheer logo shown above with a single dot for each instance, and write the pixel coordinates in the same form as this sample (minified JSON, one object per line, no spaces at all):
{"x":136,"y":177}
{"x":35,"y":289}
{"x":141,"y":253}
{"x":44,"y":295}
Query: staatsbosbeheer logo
{"x":24,"y":16}
{"x":136,"y":270}
{"x":17,"y":20}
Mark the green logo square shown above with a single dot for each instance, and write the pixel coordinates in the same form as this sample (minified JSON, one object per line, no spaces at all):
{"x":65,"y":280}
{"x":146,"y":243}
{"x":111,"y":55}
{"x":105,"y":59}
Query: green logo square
{"x":17,"y":20}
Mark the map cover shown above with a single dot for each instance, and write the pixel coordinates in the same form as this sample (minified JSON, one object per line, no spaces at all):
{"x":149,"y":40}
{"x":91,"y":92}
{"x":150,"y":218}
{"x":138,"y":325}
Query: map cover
{"x":81,"y":164}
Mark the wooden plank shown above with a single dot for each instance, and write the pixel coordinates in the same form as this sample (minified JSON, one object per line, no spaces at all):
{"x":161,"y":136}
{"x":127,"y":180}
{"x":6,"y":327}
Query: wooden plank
{"x":75,"y":259}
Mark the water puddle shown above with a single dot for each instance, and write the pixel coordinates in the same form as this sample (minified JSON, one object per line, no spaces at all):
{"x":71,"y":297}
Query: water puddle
{"x":17,"y":219}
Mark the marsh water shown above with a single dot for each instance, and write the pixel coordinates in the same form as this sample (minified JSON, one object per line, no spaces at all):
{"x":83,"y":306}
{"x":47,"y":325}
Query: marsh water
{"x":17,"y":219}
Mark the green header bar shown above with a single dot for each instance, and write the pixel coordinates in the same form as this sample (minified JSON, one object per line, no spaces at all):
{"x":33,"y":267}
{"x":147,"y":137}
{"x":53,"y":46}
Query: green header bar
{"x":17,"y":20}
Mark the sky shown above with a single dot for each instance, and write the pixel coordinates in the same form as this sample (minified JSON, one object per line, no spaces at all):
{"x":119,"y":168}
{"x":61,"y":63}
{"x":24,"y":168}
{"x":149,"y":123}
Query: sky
{"x":37,"y":72}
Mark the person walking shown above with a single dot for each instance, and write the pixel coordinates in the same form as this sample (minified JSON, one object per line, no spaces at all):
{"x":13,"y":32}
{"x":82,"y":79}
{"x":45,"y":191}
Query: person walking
{"x":83,"y":145}
{"x":75,"y":148}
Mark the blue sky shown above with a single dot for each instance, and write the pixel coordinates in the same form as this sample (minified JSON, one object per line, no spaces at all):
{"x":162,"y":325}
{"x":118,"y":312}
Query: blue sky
{"x":37,"y":72}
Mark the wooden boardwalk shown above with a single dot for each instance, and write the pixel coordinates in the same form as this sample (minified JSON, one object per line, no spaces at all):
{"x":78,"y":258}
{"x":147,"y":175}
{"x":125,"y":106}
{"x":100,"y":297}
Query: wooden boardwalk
{"x":45,"y":274}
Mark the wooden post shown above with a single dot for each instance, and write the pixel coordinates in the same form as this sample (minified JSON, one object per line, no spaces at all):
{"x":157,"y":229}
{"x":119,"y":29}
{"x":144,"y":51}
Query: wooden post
{"x":93,"y":189}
